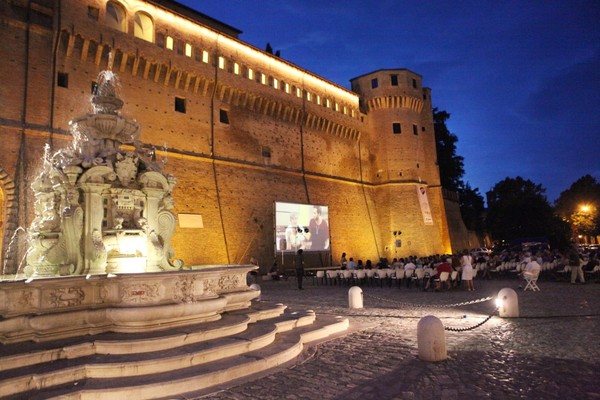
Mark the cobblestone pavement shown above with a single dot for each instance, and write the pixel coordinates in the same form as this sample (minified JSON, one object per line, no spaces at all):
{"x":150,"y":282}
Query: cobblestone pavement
{"x":551,"y":351}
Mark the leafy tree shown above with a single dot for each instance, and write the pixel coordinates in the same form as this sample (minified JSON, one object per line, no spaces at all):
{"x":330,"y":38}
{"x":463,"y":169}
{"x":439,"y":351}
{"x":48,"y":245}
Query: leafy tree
{"x":472,"y":208}
{"x":580,"y":205}
{"x":451,"y":165}
{"x":452,"y":171}
{"x":518,"y":208}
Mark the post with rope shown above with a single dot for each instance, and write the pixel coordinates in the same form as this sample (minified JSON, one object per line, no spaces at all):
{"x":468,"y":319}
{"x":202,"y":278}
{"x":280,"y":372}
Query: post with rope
{"x":507,"y":302}
{"x":355,"y":297}
{"x":431,"y":339}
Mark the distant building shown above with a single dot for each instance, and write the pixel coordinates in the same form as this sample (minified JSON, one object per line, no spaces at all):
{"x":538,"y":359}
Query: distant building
{"x":238,"y":127}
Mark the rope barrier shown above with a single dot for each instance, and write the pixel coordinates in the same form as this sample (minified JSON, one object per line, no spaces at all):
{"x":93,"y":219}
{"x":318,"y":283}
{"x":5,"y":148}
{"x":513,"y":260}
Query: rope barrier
{"x":412,"y":305}
{"x":464,"y":303}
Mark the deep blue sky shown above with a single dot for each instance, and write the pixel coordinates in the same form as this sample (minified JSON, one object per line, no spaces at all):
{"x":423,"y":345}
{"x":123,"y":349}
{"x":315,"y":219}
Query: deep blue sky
{"x":521,"y":79}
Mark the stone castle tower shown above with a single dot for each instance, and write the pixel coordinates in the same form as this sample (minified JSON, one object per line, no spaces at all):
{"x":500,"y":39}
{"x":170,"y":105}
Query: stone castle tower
{"x":240,"y":128}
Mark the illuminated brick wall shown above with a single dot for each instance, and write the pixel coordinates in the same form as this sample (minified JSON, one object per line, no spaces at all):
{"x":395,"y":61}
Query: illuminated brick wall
{"x":289,"y":135}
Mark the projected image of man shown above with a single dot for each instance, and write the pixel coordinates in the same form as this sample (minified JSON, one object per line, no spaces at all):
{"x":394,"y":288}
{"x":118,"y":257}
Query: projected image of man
{"x":318,"y":230}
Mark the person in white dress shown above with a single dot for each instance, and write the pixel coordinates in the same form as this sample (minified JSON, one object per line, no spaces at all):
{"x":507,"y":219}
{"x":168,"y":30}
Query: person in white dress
{"x":466,"y":263}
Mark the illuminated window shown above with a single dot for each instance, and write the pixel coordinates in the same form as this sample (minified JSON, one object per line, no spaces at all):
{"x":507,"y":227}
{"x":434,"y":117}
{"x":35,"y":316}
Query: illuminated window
{"x":396,"y":128}
{"x":352,"y":113}
{"x":318,"y":100}
{"x":250,"y":74}
{"x":394,"y":80}
{"x":143,"y":27}
{"x":221,"y":63}
{"x":263,"y":79}
{"x":205,"y":56}
{"x":236,"y":68}
{"x":115,"y":16}
{"x":327,"y":103}
{"x":345,"y":110}
{"x":298,"y":92}
{"x":188,"y":50}
{"x":308,"y":96}
{"x":374,"y":83}
{"x":180,"y":104}
{"x":169,"y":43}
{"x":275,"y":83}
{"x":337,"y":107}
{"x":287,"y":87}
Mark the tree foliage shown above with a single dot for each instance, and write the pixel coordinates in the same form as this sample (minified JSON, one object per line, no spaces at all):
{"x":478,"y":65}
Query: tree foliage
{"x":518,"y":208}
{"x":451,"y":165}
{"x":472,"y":208}
{"x":579,"y":206}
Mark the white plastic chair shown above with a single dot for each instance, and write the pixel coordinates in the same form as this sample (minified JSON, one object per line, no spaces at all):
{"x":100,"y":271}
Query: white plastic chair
{"x":531,"y":279}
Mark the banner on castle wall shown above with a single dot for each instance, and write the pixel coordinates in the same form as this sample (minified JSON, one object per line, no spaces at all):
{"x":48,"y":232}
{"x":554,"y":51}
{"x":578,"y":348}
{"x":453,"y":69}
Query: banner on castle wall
{"x":424,"y":203}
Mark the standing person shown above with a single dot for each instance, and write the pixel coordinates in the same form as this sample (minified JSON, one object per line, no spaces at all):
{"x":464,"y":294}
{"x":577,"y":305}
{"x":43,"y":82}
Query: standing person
{"x":299,"y":265}
{"x":343,"y":261}
{"x":466,"y":263}
{"x":575,"y":264}
{"x":318,"y":231}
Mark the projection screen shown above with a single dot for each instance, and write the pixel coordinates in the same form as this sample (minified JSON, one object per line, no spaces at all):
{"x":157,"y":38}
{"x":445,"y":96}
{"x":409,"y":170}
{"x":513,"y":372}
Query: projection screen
{"x":301,"y":226}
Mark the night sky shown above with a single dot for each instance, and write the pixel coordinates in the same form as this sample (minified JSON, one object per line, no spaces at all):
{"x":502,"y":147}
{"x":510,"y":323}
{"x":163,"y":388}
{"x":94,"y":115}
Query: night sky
{"x":521,"y":79}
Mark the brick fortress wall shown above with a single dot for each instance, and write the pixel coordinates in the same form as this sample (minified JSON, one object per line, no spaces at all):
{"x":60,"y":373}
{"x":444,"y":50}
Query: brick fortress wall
{"x":288,"y":135}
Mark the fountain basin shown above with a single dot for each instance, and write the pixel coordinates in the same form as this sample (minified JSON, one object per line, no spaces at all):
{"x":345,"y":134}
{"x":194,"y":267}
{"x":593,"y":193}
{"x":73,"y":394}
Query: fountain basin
{"x":55,"y":308}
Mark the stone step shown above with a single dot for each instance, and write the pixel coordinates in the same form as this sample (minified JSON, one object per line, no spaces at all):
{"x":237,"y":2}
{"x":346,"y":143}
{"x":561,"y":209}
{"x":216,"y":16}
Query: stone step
{"x":188,"y":367}
{"x":18,"y":355}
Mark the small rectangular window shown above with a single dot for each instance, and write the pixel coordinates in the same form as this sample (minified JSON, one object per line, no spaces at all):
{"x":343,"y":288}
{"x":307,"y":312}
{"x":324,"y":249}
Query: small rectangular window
{"x":250,"y":74}
{"x":236,"y":68}
{"x":275,"y":83}
{"x":169,"y":43}
{"x":424,"y":96}
{"x":93,"y":13}
{"x":266,"y":152}
{"x":422,"y":129}
{"x":415,"y":130}
{"x":188,"y":50}
{"x":180,"y":104}
{"x":414,"y":82}
{"x":205,"y":56}
{"x":94,"y":88}
{"x":298,"y":92}
{"x":263,"y":79}
{"x":318,"y":100}
{"x":394,"y":79}
{"x":62,"y":79}
{"x":327,"y":103}
{"x":223,"y":116}
{"x":396,"y":128}
{"x":287,"y":87}
{"x":374,"y":83}
{"x":221,"y":63}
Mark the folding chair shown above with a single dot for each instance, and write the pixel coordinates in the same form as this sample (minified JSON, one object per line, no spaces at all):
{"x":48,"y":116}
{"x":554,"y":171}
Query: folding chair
{"x":531,"y":279}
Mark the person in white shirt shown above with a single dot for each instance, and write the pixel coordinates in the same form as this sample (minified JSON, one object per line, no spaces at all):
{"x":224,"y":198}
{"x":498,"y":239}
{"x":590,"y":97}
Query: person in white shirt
{"x":532,"y":268}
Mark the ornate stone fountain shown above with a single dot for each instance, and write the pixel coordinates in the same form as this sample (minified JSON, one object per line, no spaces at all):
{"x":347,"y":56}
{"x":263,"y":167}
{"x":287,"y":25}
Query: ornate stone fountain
{"x":99,"y":208}
{"x":99,"y":255}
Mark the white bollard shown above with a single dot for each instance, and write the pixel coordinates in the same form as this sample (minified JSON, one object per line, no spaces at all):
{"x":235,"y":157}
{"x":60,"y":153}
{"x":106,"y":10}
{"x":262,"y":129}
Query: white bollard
{"x":355,"y":297}
{"x":256,"y":287}
{"x":431,"y":339}
{"x":507,"y":302}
